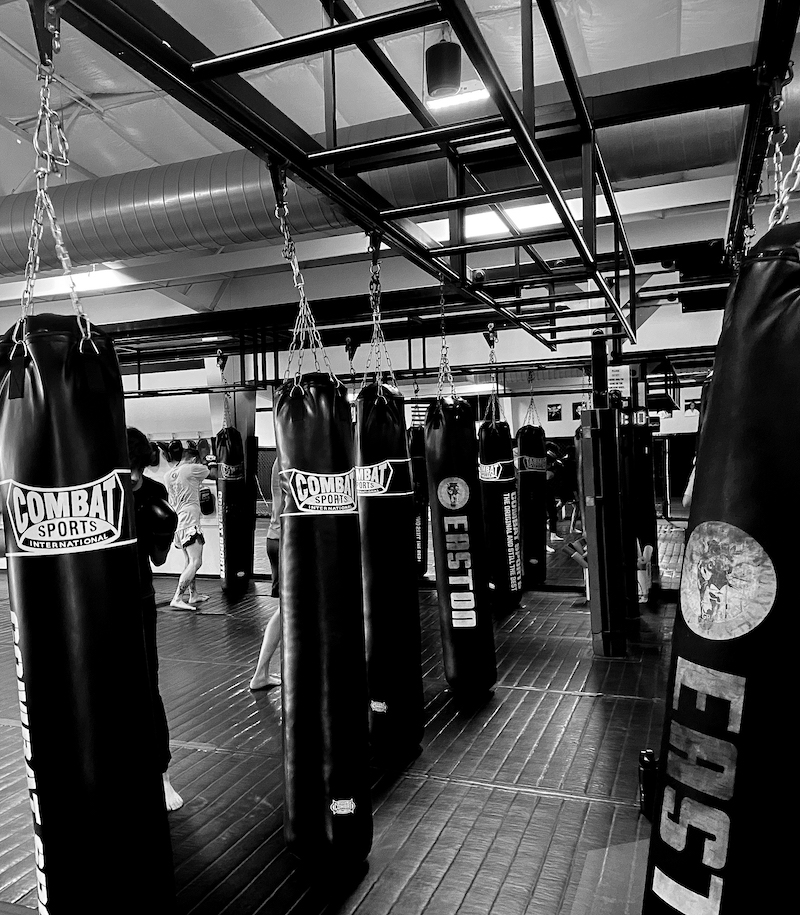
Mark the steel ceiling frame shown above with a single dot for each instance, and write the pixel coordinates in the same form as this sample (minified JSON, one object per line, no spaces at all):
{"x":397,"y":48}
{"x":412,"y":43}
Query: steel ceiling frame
{"x":778,"y":31}
{"x":144,"y":36}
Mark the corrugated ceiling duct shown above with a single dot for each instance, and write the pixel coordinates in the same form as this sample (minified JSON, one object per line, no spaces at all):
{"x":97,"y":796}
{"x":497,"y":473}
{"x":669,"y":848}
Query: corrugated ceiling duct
{"x":227,"y":199}
{"x":206,"y":203}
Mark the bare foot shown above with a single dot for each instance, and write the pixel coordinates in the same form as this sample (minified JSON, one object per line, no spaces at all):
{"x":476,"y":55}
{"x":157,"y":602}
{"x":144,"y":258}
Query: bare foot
{"x":172,"y":799}
{"x":198,"y":598}
{"x":265,"y":682}
{"x":179,"y":604}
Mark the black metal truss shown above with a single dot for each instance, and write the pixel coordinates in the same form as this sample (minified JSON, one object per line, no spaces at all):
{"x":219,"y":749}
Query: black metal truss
{"x":143,"y":35}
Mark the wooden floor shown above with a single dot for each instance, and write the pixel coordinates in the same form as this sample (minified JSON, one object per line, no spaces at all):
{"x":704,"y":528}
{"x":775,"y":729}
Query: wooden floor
{"x":527,"y":805}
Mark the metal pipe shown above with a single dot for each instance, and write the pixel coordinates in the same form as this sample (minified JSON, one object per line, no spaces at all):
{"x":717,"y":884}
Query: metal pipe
{"x":469,"y":131}
{"x":467,"y":200}
{"x":327,"y":39}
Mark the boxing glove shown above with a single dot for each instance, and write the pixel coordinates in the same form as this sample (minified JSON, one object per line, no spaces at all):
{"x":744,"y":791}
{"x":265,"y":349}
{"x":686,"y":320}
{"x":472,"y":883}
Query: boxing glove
{"x":162,"y":522}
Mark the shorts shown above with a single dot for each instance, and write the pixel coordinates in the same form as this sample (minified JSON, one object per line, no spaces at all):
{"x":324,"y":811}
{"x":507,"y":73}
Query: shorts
{"x":188,"y":536}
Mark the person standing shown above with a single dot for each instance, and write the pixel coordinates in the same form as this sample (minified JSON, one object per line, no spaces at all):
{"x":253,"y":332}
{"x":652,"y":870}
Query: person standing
{"x":155,"y":526}
{"x":272,"y":634}
{"x":183,"y":488}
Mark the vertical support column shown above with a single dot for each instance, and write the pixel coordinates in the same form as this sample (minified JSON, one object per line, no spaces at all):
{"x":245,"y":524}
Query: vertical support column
{"x":528,"y":87}
{"x":601,"y":485}
{"x":589,"y":188}
{"x":457,"y":187}
{"x":599,"y":369}
{"x":329,"y":84}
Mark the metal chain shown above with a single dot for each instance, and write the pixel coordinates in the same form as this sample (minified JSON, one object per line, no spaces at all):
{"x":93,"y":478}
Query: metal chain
{"x":494,"y":409}
{"x":52,"y":155}
{"x":532,"y":414}
{"x":445,"y":372}
{"x":378,"y":347}
{"x":226,"y":397}
{"x":784,"y":185}
{"x":305,"y":335}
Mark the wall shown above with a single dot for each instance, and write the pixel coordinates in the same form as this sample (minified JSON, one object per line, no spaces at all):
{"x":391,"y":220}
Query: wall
{"x":684,"y":420}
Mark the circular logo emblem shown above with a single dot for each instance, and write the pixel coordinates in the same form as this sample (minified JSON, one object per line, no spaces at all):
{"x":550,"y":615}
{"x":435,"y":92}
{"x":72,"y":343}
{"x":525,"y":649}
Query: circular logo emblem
{"x":453,"y":493}
{"x":728,"y":585}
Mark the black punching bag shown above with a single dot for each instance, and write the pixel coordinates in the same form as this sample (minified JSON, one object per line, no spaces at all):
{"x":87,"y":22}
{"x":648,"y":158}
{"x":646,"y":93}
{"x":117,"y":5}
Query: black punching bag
{"x":389,"y":573}
{"x":500,"y":513}
{"x":721,"y":839}
{"x":232,"y":512}
{"x":100,"y":825}
{"x":419,"y":473}
{"x":532,"y":482}
{"x":459,"y":548}
{"x":327,"y":811}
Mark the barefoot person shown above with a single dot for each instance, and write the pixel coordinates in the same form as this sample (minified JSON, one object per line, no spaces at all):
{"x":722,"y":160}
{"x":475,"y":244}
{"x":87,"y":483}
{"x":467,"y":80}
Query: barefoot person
{"x":155,"y":526}
{"x":183,"y":487}
{"x":272,"y":634}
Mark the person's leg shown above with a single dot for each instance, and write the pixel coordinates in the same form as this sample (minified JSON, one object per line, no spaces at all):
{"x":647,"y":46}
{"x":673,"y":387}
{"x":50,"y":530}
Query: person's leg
{"x":273,"y":554}
{"x":172,"y":799}
{"x":194,"y":597}
{"x":271,"y":641}
{"x":193,"y":551}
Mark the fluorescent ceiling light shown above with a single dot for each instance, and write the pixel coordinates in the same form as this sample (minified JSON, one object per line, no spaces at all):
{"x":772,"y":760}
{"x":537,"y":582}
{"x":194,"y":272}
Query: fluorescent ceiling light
{"x":461,"y":98}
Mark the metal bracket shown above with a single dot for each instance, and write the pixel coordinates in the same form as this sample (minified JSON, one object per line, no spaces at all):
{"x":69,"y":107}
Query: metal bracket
{"x":375,"y":239}
{"x":46,"y":17}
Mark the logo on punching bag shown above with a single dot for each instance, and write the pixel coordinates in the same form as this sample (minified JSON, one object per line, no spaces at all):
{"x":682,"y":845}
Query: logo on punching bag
{"x":493,"y":473}
{"x":374,"y":479}
{"x":539,"y":464}
{"x":728,"y":585}
{"x":316,"y":493}
{"x":453,"y":493}
{"x":230,"y":472}
{"x":68,"y":519}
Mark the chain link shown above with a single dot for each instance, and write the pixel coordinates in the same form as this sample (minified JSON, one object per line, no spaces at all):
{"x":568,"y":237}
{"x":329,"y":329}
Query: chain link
{"x":378,"y":347}
{"x":52,"y":156}
{"x":445,"y":372}
{"x":532,"y":414}
{"x":305,"y":335}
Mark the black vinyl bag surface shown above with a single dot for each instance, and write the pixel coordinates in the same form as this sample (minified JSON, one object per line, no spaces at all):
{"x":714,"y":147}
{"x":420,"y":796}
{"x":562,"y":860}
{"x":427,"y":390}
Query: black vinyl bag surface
{"x":459,"y":546}
{"x":721,"y":832}
{"x":532,"y":484}
{"x":389,"y":572}
{"x":419,"y":474}
{"x":500,"y":513}
{"x":327,"y":810}
{"x":234,"y":512}
{"x":87,"y":715}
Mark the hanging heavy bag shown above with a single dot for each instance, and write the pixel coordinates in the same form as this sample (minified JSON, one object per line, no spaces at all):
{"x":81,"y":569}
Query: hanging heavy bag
{"x":500,"y":513}
{"x":328,"y":814}
{"x":465,"y":613}
{"x":389,"y":573}
{"x":532,"y":484}
{"x":720,"y":841}
{"x":232,"y":511}
{"x":416,"y":450}
{"x":85,"y":702}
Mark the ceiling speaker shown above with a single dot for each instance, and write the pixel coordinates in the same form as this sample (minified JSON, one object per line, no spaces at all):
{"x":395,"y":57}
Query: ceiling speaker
{"x":443,"y":68}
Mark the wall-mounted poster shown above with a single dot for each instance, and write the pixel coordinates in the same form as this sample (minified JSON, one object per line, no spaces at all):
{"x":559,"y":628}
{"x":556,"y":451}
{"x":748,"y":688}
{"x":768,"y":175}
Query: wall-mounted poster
{"x":554,"y":412}
{"x":692,"y":406}
{"x":576,"y":410}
